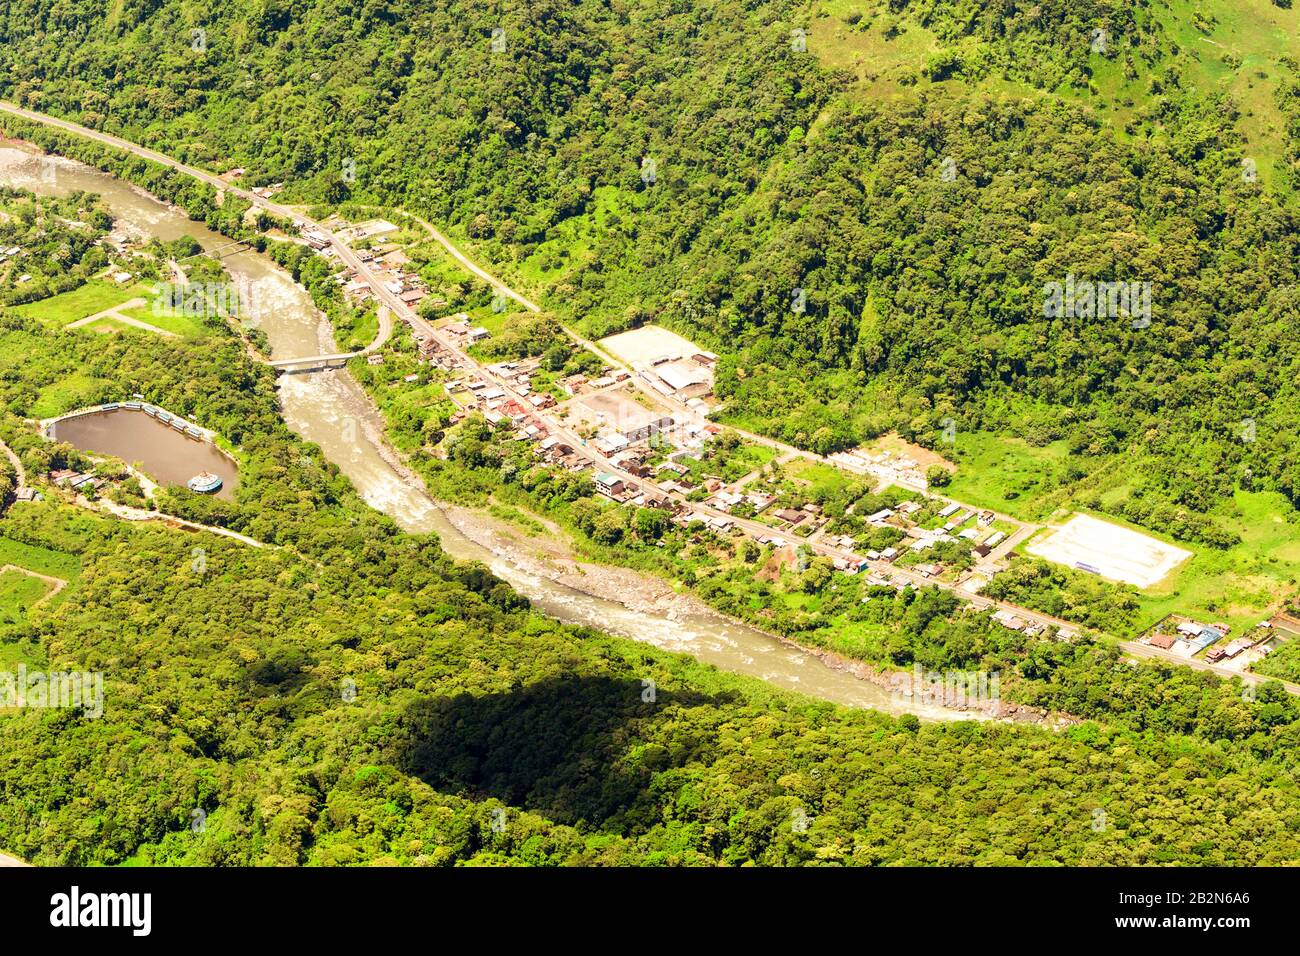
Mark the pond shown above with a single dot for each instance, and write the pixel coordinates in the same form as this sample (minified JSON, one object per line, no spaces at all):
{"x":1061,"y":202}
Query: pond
{"x":163,"y":453}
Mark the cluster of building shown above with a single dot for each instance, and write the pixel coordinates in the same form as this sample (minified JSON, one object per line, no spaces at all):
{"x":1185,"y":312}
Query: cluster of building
{"x":77,"y":481}
{"x":724,"y":500}
{"x":575,"y":385}
{"x":629,"y":492}
{"x":684,"y":377}
{"x":960,"y":524}
{"x":387,"y":265}
{"x":430,"y":352}
{"x":14,"y":253}
{"x":1014,"y":622}
{"x":618,"y":424}
{"x":808,"y":518}
{"x":632,"y":436}
{"x":1188,"y":637}
{"x":889,"y":467}
{"x":463,"y":333}
{"x":495,"y":404}
{"x":167,"y":418}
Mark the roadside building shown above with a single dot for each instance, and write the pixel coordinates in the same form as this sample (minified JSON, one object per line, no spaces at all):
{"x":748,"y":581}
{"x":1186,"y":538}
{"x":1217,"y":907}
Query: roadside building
{"x":609,"y":484}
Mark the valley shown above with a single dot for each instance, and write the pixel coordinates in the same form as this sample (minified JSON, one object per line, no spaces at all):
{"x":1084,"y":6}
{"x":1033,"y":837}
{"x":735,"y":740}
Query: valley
{"x":770,"y":434}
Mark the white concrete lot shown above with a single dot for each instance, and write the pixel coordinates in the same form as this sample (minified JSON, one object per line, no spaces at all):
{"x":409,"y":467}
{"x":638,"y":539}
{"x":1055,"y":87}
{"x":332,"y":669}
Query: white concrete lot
{"x":647,"y":344}
{"x":1116,"y":552}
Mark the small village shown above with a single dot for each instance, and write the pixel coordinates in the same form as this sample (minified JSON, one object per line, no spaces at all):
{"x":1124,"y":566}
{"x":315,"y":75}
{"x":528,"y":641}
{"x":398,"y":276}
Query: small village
{"x":637,"y":422}
{"x":1188,"y":638}
{"x":639,"y":429}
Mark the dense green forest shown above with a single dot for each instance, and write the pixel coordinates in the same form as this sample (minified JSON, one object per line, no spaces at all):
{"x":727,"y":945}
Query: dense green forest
{"x":353,"y":696}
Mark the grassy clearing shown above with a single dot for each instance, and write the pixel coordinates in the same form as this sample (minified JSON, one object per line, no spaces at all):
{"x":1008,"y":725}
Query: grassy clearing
{"x":56,"y":564}
{"x":95,"y":296}
{"x":18,"y":593}
{"x":359,"y":333}
{"x":1240,"y":585}
{"x":496,"y":322}
{"x":820,"y":478}
{"x":521,"y":519}
{"x":75,"y":391}
{"x":1233,"y":47}
{"x":730,"y":464}
{"x":22,"y":652}
{"x":1258,"y":34}
{"x":877,"y":62}
{"x":1006,"y":474}
{"x":187,"y":326}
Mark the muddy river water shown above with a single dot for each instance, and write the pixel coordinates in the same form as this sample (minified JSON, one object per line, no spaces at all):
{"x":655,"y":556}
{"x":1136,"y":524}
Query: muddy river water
{"x":330,"y":409}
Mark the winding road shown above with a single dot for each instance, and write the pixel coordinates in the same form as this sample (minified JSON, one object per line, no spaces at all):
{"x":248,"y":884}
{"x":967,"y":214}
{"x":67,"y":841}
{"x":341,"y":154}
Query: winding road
{"x":17,"y":464}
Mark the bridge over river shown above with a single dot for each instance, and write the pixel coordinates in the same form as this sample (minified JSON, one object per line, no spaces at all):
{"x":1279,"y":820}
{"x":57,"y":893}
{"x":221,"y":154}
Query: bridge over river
{"x":318,"y":363}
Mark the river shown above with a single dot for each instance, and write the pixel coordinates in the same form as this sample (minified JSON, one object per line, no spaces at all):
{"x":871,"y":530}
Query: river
{"x":331,"y":410}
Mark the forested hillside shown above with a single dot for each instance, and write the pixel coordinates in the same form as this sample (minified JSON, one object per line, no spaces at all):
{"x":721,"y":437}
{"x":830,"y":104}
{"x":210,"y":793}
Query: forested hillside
{"x":695,"y":164}
{"x":921,"y":170}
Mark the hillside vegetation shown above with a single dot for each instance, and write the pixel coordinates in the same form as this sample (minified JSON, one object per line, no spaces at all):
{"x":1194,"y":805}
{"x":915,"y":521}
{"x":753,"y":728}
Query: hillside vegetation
{"x":695,"y":164}
{"x":353,"y":696}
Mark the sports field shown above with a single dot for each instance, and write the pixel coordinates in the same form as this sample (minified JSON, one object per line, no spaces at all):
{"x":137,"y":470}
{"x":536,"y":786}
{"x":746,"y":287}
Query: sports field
{"x":1110,"y":550}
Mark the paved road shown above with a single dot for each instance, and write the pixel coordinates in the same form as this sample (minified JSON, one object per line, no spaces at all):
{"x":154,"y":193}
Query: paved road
{"x":404,"y":312}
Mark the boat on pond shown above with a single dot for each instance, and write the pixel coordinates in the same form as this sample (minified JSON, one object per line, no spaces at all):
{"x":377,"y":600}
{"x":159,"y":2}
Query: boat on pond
{"x":205,"y":483}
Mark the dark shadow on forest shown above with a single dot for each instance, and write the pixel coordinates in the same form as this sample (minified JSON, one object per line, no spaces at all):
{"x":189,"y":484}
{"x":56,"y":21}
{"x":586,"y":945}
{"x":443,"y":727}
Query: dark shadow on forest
{"x":560,"y":747}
